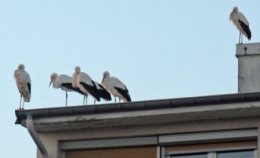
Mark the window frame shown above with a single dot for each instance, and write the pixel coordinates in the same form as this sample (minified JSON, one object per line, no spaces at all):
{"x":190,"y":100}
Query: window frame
{"x":211,"y":152}
{"x":210,"y":137}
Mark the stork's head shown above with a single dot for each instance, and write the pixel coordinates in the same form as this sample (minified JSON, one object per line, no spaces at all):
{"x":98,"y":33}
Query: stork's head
{"x":235,"y":9}
{"x":105,"y":75}
{"x":77,"y":69}
{"x":21,"y":67}
{"x":53,"y":77}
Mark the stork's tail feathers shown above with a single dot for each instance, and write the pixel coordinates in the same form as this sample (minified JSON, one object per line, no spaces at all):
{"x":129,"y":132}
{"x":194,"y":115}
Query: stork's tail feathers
{"x":128,"y":98}
{"x":92,"y":90}
{"x":104,"y":94}
{"x":124,"y":94}
{"x":246,"y":29}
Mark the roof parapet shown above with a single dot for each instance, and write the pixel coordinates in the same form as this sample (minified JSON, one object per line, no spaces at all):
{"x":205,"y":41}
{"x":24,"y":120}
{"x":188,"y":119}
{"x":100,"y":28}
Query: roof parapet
{"x":138,"y":105}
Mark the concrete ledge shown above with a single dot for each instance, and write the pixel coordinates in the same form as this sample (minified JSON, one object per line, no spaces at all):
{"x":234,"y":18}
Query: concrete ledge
{"x":248,"y":49}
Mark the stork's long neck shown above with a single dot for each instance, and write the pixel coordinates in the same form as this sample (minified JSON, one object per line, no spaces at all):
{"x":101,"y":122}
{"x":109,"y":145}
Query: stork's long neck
{"x":55,"y":82}
{"x":104,"y":78}
{"x":74,"y":77}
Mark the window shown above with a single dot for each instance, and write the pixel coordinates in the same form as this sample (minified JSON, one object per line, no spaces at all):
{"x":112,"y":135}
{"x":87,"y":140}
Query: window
{"x":217,"y":144}
{"x":226,"y":154}
{"x":242,"y":149}
{"x":236,"y":154}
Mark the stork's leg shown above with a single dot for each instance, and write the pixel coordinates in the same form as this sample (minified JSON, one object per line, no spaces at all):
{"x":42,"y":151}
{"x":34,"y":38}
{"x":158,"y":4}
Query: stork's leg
{"x":115,"y":99}
{"x":20,"y":101}
{"x":119,"y":99}
{"x":66,"y":98}
{"x":239,"y":37}
{"x":94,"y":102}
{"x":84,"y":99}
{"x":23,"y":104}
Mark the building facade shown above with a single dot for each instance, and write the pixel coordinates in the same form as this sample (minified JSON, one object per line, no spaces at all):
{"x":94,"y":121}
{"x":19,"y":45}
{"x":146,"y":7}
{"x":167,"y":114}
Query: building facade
{"x":217,"y":126}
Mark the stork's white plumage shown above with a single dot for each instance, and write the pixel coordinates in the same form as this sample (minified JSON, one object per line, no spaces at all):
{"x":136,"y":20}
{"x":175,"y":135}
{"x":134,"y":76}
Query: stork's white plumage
{"x":115,"y":87}
{"x":85,"y":84}
{"x":240,"y":21}
{"x":23,"y":82}
{"x":63,"y":82}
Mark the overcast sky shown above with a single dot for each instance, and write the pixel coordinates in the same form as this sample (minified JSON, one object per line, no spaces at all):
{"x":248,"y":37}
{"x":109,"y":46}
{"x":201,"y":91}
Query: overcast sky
{"x":159,"y":49}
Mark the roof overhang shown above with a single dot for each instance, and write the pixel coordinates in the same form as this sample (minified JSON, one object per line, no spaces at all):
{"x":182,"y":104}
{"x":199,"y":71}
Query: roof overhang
{"x":143,"y":112}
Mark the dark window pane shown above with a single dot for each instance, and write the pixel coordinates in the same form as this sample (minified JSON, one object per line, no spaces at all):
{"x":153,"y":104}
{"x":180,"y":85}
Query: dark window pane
{"x":236,"y":154}
{"x":190,"y":156}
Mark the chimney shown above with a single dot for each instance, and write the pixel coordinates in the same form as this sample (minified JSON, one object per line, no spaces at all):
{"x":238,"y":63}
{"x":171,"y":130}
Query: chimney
{"x":248,"y":67}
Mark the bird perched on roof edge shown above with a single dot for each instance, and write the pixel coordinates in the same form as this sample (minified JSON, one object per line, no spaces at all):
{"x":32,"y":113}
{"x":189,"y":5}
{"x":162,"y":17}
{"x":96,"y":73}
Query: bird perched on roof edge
{"x":115,"y":87}
{"x":85,"y":84}
{"x":63,"y":82}
{"x":240,"y":21}
{"x":23,"y":82}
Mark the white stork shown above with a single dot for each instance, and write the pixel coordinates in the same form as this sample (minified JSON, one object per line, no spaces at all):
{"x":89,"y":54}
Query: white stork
{"x":240,"y":21}
{"x":85,"y":84}
{"x":63,"y":82}
{"x":23,"y":82}
{"x":115,"y":87}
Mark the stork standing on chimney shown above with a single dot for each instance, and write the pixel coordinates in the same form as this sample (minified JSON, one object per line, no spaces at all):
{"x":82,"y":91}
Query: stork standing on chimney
{"x":240,"y":21}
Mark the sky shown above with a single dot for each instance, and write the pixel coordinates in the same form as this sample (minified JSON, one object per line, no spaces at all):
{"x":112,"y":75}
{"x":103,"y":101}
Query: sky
{"x":158,"y":49}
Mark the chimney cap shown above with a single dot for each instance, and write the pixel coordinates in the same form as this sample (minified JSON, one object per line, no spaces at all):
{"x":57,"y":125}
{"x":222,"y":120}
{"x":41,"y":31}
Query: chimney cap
{"x":247,"y":49}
